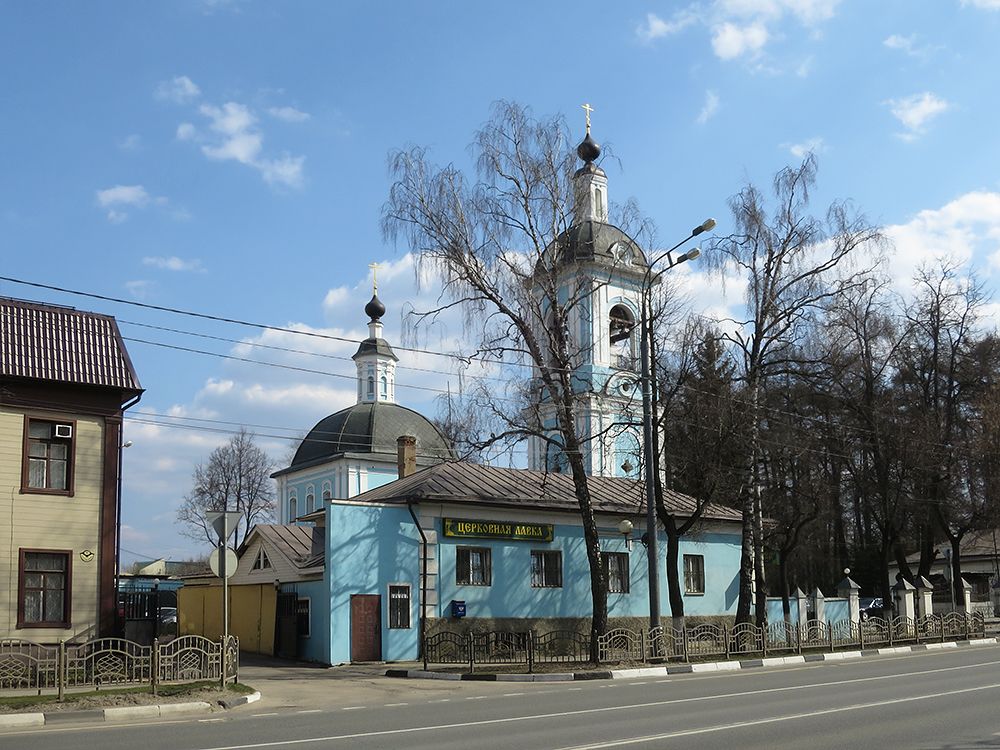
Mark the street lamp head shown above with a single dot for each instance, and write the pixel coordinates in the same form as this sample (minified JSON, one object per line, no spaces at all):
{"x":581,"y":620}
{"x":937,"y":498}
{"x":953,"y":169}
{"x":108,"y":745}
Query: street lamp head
{"x":706,"y":226}
{"x":693,"y":253}
{"x":625,"y":527}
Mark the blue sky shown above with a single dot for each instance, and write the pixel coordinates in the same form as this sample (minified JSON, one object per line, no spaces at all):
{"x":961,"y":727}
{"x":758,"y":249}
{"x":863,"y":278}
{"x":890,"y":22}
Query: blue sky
{"x":230,"y":158}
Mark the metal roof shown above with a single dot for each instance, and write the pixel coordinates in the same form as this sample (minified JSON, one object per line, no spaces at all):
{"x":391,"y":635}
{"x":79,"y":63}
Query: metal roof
{"x":292,"y":541}
{"x":475,"y":484}
{"x":61,"y":344}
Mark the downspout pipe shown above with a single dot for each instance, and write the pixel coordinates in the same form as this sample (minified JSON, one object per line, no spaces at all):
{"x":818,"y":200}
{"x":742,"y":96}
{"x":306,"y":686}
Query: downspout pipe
{"x":423,"y":576}
{"x":119,"y":623}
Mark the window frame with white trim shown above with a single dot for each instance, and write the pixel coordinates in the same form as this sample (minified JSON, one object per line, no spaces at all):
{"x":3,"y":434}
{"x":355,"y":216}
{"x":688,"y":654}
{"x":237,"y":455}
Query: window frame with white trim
{"x":694,"y":575}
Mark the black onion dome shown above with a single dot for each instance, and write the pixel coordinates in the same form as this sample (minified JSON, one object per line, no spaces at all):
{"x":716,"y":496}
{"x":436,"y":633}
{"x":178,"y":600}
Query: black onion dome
{"x":589,"y":149}
{"x":375,"y":309}
{"x":371,"y":428}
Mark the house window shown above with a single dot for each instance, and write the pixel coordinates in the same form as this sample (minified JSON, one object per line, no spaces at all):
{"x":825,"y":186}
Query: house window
{"x":694,"y":574}
{"x":48,"y":456}
{"x":262,"y":562}
{"x":399,"y":606}
{"x":546,"y":569}
{"x":384,"y":386}
{"x":44,"y":578}
{"x":302,"y":608}
{"x":310,"y":500}
{"x":293,"y":511}
{"x":616,"y":567}
{"x":473,"y":566}
{"x":371,"y":386}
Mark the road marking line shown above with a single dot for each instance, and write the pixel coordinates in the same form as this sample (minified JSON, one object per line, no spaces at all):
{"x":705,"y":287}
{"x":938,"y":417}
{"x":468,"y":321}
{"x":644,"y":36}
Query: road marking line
{"x":476,"y":697}
{"x":310,"y":711}
{"x":393,"y":705}
{"x":208,"y":721}
{"x":441,"y":700}
{"x":254,"y":716}
{"x":352,"y":708}
{"x":570,"y":690}
{"x":511,"y":695}
{"x":775,"y":719}
{"x":605,"y":709}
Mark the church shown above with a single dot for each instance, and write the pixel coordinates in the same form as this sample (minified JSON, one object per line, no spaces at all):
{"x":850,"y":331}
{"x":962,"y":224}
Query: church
{"x":399,"y":539}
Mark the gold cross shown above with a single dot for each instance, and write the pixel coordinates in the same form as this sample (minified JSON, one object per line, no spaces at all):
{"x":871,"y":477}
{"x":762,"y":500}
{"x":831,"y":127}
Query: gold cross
{"x":588,"y":109}
{"x":374,"y":267}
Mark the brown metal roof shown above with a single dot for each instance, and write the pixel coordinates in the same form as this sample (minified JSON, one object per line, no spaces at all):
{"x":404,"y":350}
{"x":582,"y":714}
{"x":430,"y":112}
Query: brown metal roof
{"x":294,"y":542}
{"x":47,"y":342}
{"x":460,"y":482}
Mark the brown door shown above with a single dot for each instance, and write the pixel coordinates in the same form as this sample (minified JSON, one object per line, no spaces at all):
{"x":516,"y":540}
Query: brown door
{"x":285,"y":634}
{"x":366,"y":627}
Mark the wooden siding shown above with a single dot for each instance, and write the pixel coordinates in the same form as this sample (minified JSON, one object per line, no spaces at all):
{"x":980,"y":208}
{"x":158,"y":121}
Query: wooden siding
{"x":58,"y":522}
{"x":282,"y":569}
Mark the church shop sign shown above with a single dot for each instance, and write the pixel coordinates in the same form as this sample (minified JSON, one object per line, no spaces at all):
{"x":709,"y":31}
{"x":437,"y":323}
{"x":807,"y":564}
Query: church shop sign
{"x":467,"y":528}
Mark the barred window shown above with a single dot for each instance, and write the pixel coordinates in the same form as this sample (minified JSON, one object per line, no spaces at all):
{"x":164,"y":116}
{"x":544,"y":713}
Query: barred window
{"x":546,"y":569}
{"x":473,"y":566}
{"x":302,"y":617}
{"x":694,"y":574}
{"x":616,"y":567}
{"x":399,"y":606}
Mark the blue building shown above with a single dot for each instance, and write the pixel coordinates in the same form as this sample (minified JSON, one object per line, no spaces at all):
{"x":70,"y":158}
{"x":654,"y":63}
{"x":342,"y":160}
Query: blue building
{"x":498,"y":548}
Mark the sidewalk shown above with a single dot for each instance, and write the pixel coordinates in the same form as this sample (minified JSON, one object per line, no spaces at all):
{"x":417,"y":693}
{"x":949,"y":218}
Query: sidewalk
{"x":659,"y":671}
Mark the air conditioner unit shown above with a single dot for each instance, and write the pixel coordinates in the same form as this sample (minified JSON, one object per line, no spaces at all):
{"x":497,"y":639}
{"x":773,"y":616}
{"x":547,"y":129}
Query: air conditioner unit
{"x":64,"y":431}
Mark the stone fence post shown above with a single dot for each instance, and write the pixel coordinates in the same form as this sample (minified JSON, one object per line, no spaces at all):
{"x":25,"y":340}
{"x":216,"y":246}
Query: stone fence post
{"x":803,"y":605}
{"x":966,"y":605}
{"x":849,"y":590}
{"x":903,"y":593}
{"x":925,"y":597}
{"x":819,"y":601}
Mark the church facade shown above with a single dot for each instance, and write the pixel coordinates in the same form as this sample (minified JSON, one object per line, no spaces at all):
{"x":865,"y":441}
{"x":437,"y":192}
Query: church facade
{"x":411,"y":540}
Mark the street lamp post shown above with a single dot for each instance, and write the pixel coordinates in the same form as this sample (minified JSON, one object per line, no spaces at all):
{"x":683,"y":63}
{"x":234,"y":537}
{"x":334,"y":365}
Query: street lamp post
{"x":652,"y":547}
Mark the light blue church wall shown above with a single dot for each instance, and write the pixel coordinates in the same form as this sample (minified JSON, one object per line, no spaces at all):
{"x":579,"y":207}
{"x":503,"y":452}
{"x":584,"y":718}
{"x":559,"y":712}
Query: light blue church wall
{"x":368,"y":548}
{"x":314,"y":646}
{"x":512,"y":595}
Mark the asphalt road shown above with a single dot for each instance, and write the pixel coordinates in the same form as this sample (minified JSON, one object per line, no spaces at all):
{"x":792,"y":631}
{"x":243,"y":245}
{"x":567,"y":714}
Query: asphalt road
{"x":942,"y":699}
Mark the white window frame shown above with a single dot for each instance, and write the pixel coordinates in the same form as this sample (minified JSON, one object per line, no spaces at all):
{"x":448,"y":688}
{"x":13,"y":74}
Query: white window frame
{"x":691,"y":576}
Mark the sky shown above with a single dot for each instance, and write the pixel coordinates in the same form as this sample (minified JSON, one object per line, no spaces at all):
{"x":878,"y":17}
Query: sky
{"x":228,"y":157}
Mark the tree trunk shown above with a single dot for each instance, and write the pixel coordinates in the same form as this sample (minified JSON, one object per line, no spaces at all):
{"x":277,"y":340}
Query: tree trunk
{"x":673,"y":574}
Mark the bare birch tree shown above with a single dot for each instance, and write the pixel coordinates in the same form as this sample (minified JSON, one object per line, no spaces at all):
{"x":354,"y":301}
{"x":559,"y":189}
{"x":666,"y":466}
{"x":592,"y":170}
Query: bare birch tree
{"x":501,"y":242}
{"x":793,"y":264}
{"x":236,"y":477}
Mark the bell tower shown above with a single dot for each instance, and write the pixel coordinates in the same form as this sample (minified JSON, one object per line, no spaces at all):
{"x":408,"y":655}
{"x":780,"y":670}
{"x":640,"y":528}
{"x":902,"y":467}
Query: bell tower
{"x":375,"y":359}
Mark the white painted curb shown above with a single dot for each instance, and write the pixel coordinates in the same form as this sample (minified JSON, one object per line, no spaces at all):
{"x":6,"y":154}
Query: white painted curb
{"x":126,"y":713}
{"x":22,"y":720}
{"x":169,"y":709}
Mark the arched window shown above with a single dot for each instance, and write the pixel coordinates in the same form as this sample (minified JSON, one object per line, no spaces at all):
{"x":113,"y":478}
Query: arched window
{"x":371,"y":387}
{"x":620,"y":329}
{"x":293,"y":512}
{"x":599,"y":204}
{"x":310,"y":499}
{"x":384,"y":387}
{"x":555,"y":459}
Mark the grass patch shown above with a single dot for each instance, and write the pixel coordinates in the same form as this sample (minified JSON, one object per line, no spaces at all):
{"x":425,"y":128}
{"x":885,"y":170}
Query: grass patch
{"x":139,"y":695}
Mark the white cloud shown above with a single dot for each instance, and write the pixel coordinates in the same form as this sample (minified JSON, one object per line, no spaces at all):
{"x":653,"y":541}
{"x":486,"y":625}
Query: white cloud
{"x":288,"y":114}
{"x":983,"y":4}
{"x":916,"y":111}
{"x":131,"y":142}
{"x":139,"y":289}
{"x":902,"y":43}
{"x":235,"y":136}
{"x":964,"y":229}
{"x":128,"y":195}
{"x":179,"y":90}
{"x":709,"y":108}
{"x":335,"y":298}
{"x":173,"y":263}
{"x":730,"y":41}
{"x":810,"y":145}
{"x":119,"y":197}
{"x":656,"y":28}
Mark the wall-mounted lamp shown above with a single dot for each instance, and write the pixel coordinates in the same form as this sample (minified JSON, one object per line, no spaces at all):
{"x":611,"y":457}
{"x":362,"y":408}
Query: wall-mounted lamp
{"x":625,"y":529}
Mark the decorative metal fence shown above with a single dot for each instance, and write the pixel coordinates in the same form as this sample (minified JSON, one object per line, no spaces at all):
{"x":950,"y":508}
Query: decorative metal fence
{"x":26,"y":666}
{"x":622,"y":645}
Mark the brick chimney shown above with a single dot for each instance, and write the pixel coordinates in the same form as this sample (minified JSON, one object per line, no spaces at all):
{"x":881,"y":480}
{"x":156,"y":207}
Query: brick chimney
{"x":406,"y":455}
